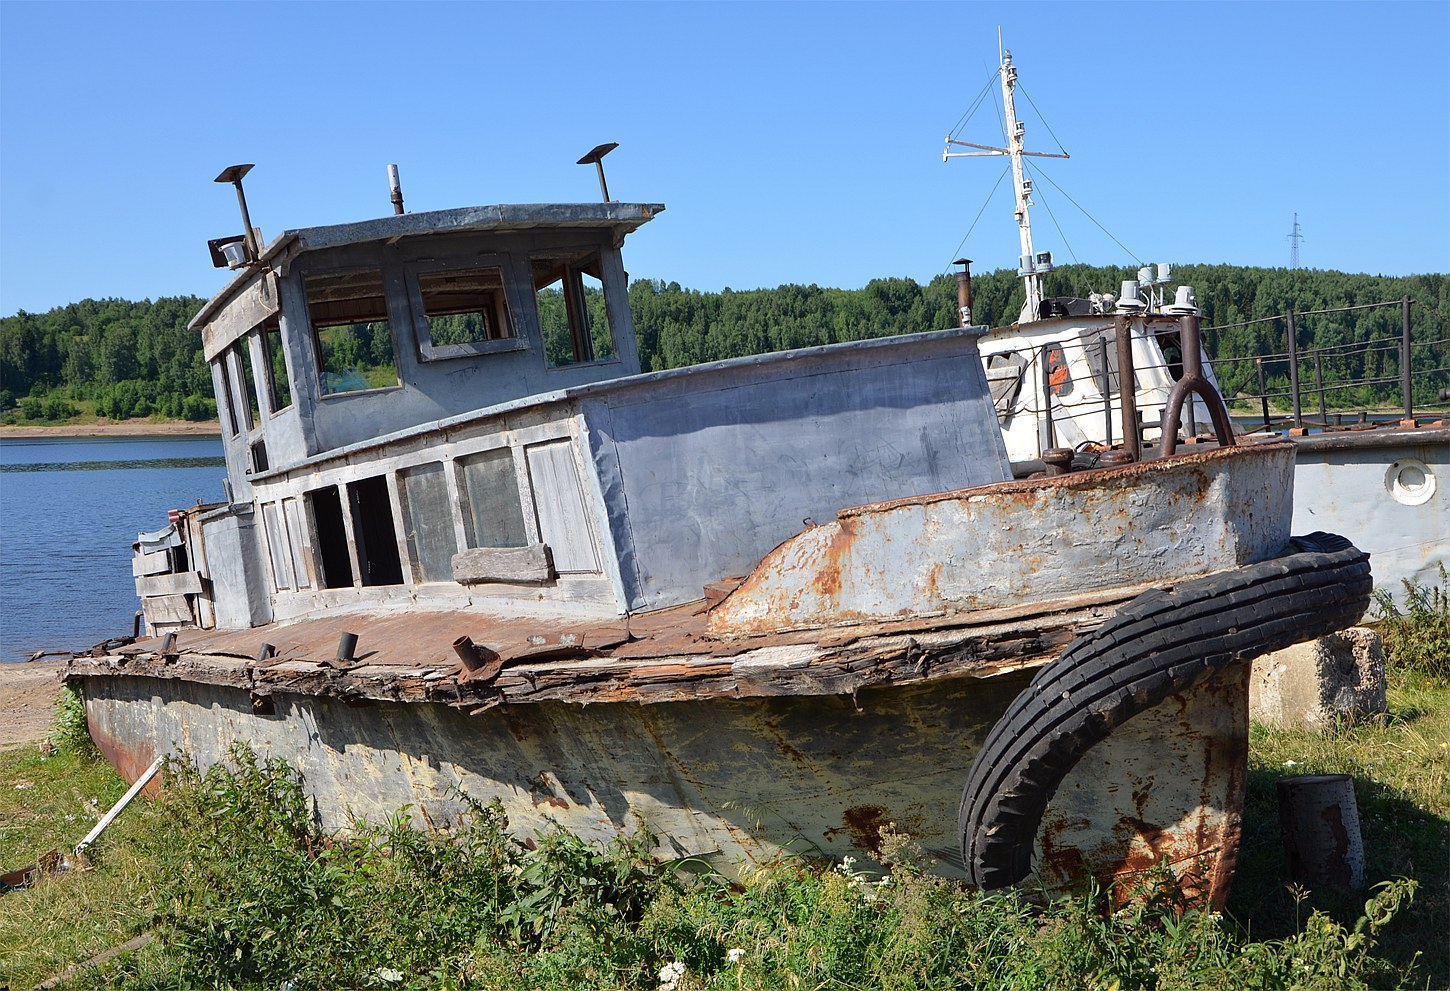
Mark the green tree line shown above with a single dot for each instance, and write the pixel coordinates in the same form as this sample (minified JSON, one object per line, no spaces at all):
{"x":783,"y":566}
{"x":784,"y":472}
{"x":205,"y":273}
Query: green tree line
{"x":112,"y":357}
{"x":135,"y":359}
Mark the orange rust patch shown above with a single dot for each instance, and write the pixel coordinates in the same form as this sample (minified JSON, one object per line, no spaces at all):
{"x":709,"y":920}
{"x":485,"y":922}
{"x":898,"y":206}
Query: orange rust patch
{"x":827,"y":580}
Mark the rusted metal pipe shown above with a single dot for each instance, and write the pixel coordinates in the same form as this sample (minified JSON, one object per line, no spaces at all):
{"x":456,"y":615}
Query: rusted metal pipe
{"x":136,"y":622}
{"x":964,"y":291}
{"x":1100,"y":346}
{"x":1046,"y":436}
{"x":1293,"y":341}
{"x":1127,"y":386}
{"x":168,"y":644}
{"x":1405,"y":384}
{"x":467,"y":652}
{"x":1319,"y":386}
{"x":265,"y":651}
{"x":346,"y":644}
{"x":481,"y":664}
{"x":1193,"y":382}
{"x":1263,"y":390}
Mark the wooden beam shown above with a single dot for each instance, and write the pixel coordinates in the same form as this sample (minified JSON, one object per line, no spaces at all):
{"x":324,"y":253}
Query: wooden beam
{"x":181,"y":583}
{"x":503,"y":564}
{"x":154,"y":563}
{"x":166,"y":609}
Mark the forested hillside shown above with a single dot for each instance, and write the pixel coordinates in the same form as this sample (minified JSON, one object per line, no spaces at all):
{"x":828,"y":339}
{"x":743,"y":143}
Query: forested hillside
{"x":121,"y":359}
{"x":110,"y":357}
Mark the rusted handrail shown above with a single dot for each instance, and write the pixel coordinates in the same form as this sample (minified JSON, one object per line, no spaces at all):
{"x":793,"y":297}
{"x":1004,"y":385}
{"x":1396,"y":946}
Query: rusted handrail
{"x":1193,"y":382}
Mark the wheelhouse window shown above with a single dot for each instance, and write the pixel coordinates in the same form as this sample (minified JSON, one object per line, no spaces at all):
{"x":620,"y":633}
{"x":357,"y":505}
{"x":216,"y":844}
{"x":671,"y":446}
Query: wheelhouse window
{"x":227,"y":400}
{"x":279,"y":387}
{"x":572,"y":311}
{"x":1059,"y":377}
{"x":243,"y":361}
{"x":464,"y":310}
{"x":350,"y":321}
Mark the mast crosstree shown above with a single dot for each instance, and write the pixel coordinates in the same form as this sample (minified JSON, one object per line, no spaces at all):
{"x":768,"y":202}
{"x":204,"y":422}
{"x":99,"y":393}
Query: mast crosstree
{"x":1031,"y":266}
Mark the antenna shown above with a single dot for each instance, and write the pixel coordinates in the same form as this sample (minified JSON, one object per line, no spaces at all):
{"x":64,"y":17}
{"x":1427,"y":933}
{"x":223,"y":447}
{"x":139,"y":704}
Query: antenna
{"x":1294,"y":238}
{"x":234,"y":174}
{"x":596,"y":158}
{"x":1032,"y":266}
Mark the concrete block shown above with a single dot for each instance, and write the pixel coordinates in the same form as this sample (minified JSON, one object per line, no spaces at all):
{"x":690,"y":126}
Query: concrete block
{"x":1335,"y":679}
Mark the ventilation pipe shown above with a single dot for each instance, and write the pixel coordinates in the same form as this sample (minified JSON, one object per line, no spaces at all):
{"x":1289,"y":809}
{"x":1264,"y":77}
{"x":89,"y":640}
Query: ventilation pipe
{"x":397,"y":189}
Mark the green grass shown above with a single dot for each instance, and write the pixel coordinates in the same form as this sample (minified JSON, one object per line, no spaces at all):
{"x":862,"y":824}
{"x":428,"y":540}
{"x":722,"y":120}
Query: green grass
{"x":243,"y":890}
{"x":49,"y":800}
{"x":1401,"y":770}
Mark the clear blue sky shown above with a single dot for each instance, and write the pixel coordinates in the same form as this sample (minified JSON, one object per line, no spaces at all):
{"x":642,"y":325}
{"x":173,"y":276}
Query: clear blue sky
{"x":791,"y":142}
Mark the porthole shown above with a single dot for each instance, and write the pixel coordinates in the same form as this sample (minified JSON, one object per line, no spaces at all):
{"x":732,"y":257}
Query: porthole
{"x":1410,"y":482}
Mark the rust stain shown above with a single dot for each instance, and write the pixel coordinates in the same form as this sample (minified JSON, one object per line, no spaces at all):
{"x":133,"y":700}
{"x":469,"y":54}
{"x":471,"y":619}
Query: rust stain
{"x":863,"y":825}
{"x":827,"y":580}
{"x":541,"y":792}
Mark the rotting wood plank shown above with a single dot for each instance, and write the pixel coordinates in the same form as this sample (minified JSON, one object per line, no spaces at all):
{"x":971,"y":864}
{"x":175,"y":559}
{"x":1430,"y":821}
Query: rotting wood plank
{"x":665,"y":661}
{"x":155,"y":563}
{"x":476,"y":565}
{"x":181,"y":583}
{"x":166,"y":609}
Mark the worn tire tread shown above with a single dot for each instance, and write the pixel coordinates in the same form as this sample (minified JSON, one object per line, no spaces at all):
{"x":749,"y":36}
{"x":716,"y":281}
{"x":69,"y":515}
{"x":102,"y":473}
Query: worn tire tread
{"x":1163,"y":642}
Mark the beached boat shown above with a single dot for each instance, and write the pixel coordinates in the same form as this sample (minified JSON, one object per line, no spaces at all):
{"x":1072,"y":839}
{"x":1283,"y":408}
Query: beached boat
{"x":763,"y":605}
{"x":1056,"y":384}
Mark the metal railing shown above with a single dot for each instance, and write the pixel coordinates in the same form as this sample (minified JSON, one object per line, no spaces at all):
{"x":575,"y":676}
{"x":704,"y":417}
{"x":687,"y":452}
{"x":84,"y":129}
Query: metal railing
{"x":1325,"y":375}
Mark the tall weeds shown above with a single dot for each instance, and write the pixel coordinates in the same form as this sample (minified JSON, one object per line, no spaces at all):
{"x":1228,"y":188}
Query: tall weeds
{"x":252,"y":894}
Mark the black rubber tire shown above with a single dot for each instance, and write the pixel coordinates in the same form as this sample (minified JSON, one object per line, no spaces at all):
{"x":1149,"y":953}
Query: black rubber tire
{"x":1163,"y":642}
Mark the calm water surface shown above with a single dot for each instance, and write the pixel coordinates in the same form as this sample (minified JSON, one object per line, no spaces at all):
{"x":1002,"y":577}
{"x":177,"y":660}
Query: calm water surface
{"x":70,"y":508}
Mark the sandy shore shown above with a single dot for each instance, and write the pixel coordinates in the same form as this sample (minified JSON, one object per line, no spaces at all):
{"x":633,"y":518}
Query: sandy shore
{"x":122,"y":428}
{"x":27,"y":701}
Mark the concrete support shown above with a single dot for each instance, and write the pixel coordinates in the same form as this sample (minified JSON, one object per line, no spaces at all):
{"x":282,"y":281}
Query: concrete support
{"x":1320,"y":683}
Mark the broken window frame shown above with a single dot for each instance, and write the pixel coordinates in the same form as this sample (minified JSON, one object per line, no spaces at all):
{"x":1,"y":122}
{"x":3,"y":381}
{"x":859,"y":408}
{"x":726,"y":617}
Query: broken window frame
{"x":503,"y":306}
{"x":317,"y":328}
{"x":279,"y":392}
{"x":1101,"y":352}
{"x":332,"y":549}
{"x":566,"y":270}
{"x":228,"y":410}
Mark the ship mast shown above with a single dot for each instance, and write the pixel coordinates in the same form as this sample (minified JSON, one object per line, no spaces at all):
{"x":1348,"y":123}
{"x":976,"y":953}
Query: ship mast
{"x":1031,"y":267}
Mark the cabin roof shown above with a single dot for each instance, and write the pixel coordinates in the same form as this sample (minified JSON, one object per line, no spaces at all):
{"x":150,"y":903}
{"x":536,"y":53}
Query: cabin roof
{"x":621,"y":218}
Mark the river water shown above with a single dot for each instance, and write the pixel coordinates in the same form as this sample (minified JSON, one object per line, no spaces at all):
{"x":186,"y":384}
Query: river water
{"x":70,"y":508}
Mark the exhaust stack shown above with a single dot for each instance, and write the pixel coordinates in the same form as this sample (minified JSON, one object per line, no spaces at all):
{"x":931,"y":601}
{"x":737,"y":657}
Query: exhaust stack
{"x":964,"y":290}
{"x":397,"y":189}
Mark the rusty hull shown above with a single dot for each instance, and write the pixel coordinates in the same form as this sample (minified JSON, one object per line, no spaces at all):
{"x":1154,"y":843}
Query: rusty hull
{"x":735,"y":750}
{"x":846,"y":684}
{"x":988,"y":547}
{"x":736,"y":781}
